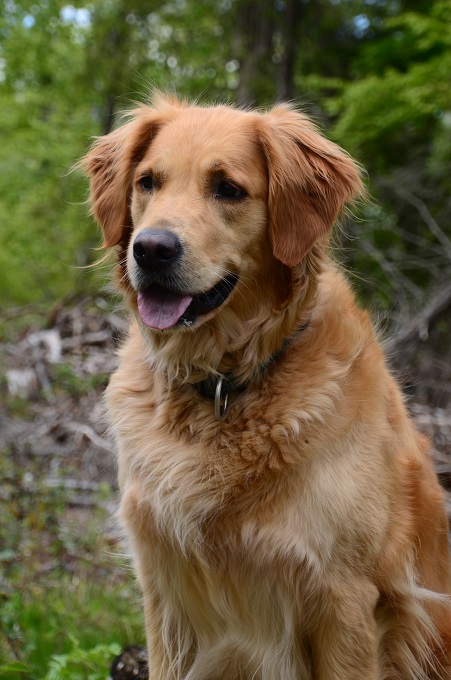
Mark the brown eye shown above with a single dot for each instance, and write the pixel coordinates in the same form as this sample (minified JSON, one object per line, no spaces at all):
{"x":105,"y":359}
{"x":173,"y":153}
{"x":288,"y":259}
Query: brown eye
{"x":229,"y":191}
{"x":147,"y":183}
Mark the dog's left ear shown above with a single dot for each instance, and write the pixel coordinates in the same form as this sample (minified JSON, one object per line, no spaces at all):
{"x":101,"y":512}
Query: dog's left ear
{"x":310,"y":181}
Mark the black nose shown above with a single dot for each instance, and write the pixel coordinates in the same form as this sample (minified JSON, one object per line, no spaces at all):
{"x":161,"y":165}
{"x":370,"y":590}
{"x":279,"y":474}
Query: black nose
{"x":155,"y":249}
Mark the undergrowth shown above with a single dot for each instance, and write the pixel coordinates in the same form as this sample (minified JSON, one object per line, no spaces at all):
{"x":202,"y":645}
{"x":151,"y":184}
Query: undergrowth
{"x":68,"y":603}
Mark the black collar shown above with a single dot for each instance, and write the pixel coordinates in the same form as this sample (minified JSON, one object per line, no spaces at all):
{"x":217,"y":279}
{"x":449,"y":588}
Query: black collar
{"x":228,"y":383}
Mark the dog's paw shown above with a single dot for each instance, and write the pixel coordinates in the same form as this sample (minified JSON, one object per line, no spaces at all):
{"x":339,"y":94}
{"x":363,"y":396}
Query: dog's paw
{"x":131,"y":664}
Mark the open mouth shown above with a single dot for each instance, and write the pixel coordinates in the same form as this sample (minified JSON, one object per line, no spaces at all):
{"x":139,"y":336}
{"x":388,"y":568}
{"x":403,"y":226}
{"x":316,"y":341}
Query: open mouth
{"x":162,"y":308}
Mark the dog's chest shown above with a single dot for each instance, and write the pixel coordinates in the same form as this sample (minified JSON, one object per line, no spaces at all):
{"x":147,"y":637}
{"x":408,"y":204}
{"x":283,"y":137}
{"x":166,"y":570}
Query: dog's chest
{"x":224,"y":488}
{"x":198,"y":480}
{"x":260,"y":480}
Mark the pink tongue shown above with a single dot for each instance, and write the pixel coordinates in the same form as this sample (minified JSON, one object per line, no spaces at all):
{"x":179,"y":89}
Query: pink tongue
{"x":160,"y":308}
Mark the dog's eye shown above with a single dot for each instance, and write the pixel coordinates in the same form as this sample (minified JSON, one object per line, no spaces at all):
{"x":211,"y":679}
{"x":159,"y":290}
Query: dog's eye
{"x":146,"y":183}
{"x":229,"y":190}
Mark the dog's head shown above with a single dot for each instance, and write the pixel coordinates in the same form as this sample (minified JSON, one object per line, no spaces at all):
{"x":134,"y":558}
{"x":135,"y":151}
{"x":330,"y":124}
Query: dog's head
{"x":206,"y":202}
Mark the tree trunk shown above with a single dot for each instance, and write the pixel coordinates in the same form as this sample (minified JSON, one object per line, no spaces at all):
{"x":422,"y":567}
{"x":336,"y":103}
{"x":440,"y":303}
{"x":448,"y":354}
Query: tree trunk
{"x":254,"y":49}
{"x":291,"y":17}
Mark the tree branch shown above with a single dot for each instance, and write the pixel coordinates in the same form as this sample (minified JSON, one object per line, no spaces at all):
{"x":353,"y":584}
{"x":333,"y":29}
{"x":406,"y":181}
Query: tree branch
{"x":424,"y":213}
{"x":419,"y":327}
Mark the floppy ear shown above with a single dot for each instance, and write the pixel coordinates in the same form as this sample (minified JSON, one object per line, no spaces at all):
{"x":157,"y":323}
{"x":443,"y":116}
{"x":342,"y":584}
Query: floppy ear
{"x":310,"y":180}
{"x":110,"y":164}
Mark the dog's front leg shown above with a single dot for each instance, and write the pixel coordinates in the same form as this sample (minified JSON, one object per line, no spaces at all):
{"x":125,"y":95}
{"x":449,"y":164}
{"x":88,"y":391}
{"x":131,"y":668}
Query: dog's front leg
{"x":137,"y":518}
{"x":345,"y":640}
{"x":169,"y":636}
{"x":158,"y":661}
{"x":169,"y":644}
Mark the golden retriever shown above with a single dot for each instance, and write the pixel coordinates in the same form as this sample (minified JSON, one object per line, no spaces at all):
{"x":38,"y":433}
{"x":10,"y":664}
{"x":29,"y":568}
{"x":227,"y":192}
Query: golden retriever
{"x":283,"y":514}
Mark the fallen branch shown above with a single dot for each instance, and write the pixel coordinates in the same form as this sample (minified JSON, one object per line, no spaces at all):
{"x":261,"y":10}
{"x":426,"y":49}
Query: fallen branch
{"x":420,"y":326}
{"x":95,"y":338}
{"x":71,"y":484}
{"x":86,"y":431}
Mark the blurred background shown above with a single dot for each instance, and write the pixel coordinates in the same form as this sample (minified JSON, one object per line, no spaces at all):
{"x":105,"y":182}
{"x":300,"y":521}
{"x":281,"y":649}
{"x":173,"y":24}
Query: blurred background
{"x":374,"y":74}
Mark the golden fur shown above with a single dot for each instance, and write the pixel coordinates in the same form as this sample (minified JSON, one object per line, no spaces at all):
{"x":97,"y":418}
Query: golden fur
{"x":303,"y":535}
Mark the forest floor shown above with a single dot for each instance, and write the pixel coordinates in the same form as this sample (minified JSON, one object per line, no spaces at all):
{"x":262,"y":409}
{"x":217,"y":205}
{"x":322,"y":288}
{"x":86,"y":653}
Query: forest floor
{"x":63,"y":580}
{"x":65,"y":584}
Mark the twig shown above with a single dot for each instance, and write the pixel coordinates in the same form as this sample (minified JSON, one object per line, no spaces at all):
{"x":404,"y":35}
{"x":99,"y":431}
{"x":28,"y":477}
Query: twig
{"x":423,"y":210}
{"x":396,"y":276}
{"x":419,"y":327}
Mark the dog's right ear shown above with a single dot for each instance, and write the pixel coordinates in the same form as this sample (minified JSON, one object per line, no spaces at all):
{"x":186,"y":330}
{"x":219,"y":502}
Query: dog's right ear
{"x":110,"y":164}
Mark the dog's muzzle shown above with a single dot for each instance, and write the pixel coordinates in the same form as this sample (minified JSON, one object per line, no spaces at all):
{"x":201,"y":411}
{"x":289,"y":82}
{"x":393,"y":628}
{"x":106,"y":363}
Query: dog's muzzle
{"x":162,"y":301}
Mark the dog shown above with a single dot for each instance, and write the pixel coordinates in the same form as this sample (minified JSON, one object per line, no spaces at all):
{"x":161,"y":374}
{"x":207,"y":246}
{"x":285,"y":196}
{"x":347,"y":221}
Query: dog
{"x":283,"y":514}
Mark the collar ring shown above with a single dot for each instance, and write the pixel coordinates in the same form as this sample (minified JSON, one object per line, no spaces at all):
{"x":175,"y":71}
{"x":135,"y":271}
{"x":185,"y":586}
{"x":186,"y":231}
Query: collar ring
{"x":220,"y":399}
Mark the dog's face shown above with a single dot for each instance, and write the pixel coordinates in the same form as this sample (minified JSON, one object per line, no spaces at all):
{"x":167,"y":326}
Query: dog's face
{"x":208,"y":205}
{"x":199,"y":215}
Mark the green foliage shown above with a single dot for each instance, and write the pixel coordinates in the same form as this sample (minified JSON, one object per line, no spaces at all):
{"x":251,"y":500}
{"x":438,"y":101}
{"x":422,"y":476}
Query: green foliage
{"x":62,"y":591}
{"x":385,"y":115}
{"x":12,"y":670}
{"x":44,"y":237}
{"x":81,"y":664}
{"x":78,"y":664}
{"x":395,"y":117}
{"x":69,"y":624}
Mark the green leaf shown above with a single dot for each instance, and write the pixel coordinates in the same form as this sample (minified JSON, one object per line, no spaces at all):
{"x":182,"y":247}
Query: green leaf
{"x":14,"y":667}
